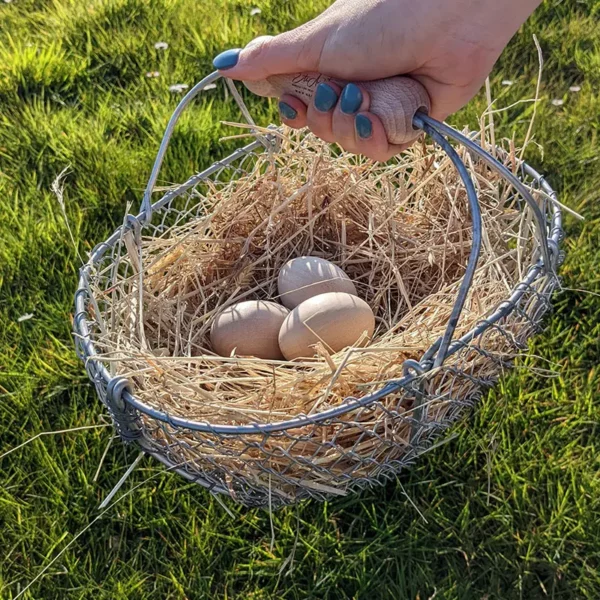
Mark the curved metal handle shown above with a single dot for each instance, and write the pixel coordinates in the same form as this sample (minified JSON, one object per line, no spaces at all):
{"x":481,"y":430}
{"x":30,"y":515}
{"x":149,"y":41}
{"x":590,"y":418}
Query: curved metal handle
{"x":146,"y":208}
{"x":437,"y":130}
{"x":395,"y":100}
{"x":475,"y":210}
{"x":549,"y":252}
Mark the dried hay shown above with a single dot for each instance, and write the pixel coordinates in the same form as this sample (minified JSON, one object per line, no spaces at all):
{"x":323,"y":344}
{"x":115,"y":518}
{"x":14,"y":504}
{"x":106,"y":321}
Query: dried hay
{"x":401,"y":231}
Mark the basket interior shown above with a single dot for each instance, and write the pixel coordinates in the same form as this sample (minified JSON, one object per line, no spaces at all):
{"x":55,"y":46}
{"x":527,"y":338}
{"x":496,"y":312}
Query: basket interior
{"x":401,"y":231}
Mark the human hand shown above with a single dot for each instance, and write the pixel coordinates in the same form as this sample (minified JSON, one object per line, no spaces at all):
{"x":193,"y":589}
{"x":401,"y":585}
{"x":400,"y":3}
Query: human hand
{"x":449,"y":46}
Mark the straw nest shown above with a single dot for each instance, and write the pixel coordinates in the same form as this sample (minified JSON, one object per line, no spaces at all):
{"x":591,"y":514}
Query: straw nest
{"x":401,"y":231}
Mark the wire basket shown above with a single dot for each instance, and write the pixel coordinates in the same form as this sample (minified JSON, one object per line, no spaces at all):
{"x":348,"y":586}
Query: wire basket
{"x":261,"y":469}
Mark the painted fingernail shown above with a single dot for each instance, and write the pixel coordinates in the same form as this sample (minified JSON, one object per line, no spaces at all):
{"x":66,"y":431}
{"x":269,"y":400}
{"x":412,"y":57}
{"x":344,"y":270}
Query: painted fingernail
{"x":287,"y":112}
{"x":364,"y":127}
{"x":351,"y":99}
{"x":325,"y":97}
{"x":227,"y":60}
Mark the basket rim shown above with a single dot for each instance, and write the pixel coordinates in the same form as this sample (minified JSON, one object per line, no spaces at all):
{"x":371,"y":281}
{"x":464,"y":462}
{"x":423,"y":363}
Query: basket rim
{"x":412,"y":369}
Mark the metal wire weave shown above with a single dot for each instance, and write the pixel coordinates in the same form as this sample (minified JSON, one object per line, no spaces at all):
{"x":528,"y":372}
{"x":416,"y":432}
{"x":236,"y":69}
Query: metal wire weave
{"x":448,"y":373}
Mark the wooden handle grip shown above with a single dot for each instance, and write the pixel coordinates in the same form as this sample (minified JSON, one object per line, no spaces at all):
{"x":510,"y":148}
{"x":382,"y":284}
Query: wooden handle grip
{"x":395,"y":100}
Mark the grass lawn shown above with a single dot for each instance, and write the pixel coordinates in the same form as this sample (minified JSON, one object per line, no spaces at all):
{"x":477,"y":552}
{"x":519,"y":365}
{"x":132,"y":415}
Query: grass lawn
{"x":509,"y":508}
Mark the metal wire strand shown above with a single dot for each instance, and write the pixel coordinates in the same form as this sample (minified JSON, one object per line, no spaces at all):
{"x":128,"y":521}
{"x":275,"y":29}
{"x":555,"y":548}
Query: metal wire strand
{"x":146,"y":208}
{"x":422,"y":120}
{"x":475,"y":209}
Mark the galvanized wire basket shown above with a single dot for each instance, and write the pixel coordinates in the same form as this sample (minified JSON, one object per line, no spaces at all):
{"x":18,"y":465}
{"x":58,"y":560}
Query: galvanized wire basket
{"x":196,"y":450}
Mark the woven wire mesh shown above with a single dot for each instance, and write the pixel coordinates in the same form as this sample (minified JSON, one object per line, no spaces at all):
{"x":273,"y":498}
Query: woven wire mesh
{"x":322,"y":456}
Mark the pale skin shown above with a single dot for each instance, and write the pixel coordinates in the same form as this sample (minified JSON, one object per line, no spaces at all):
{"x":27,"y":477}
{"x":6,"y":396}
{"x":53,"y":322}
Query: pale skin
{"x":449,"y":46}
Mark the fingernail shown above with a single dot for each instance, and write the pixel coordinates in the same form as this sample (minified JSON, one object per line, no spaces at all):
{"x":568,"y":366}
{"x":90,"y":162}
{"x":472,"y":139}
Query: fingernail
{"x":325,"y":97}
{"x":287,"y":112}
{"x":351,"y":99}
{"x":227,"y":60}
{"x":363,"y":126}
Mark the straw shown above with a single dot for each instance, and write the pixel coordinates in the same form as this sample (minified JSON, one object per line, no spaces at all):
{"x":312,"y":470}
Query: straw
{"x":401,"y":231}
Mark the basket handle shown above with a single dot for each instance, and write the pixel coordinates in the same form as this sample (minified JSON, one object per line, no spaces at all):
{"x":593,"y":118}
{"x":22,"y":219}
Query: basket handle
{"x":395,"y":100}
{"x":146,"y":207}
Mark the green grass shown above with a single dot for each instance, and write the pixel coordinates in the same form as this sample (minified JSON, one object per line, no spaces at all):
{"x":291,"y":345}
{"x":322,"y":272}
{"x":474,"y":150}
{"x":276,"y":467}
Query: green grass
{"x":510,"y":506}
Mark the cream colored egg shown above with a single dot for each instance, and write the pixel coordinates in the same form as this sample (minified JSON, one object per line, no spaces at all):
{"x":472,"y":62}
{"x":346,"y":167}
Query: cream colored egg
{"x":307,"y":276}
{"x":250,"y":328}
{"x":336,"y":319}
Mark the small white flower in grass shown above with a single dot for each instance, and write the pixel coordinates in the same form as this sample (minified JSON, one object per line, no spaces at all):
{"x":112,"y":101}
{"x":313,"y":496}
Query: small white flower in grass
{"x":151,"y":74}
{"x":575,"y":88}
{"x":178,"y":88}
{"x":558,"y":102}
{"x":507,"y":82}
{"x":210,"y":86}
{"x":27,"y":316}
{"x":7,"y":1}
{"x":255,"y":11}
{"x":161,"y":45}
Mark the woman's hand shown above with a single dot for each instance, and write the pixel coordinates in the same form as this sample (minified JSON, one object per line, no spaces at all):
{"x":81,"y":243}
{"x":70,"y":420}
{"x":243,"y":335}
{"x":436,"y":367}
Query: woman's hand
{"x":449,"y":46}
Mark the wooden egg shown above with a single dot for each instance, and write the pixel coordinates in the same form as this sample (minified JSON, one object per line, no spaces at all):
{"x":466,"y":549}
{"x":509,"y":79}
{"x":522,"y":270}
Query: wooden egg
{"x":336,"y":319}
{"x":251,"y":328}
{"x":307,"y":276}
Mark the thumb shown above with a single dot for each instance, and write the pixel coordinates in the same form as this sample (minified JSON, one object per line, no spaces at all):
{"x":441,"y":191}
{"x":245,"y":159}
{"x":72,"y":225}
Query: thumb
{"x":294,"y":51}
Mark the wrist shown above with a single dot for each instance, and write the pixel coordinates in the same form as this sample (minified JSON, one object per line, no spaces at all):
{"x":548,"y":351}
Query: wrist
{"x":500,"y":20}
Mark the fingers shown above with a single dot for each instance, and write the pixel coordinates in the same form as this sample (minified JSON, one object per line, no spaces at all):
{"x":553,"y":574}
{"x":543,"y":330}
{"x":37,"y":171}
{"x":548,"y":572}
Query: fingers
{"x":341,"y":115}
{"x":371,"y":139}
{"x":292,"y":111}
{"x":319,"y":116}
{"x":290,"y":52}
{"x":352,"y":100}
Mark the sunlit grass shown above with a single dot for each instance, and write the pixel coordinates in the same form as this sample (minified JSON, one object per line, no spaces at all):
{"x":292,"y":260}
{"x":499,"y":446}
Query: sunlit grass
{"x":511,"y":505}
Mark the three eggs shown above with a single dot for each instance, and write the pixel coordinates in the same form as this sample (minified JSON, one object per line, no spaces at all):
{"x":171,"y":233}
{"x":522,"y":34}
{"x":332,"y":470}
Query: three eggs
{"x":320,"y":304}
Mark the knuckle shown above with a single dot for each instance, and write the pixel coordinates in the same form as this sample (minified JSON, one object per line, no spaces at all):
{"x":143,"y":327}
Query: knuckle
{"x":346,"y":142}
{"x":257,"y":48}
{"x":348,"y":147}
{"x":378,"y":156}
{"x":326,"y":138}
{"x":321,"y":130}
{"x":344,"y":134}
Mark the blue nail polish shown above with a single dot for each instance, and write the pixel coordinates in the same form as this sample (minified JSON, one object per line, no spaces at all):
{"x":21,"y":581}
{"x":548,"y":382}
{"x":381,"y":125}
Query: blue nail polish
{"x":325,"y":98}
{"x":287,"y":112}
{"x":363,"y":126}
{"x":227,"y":60}
{"x":351,"y":99}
